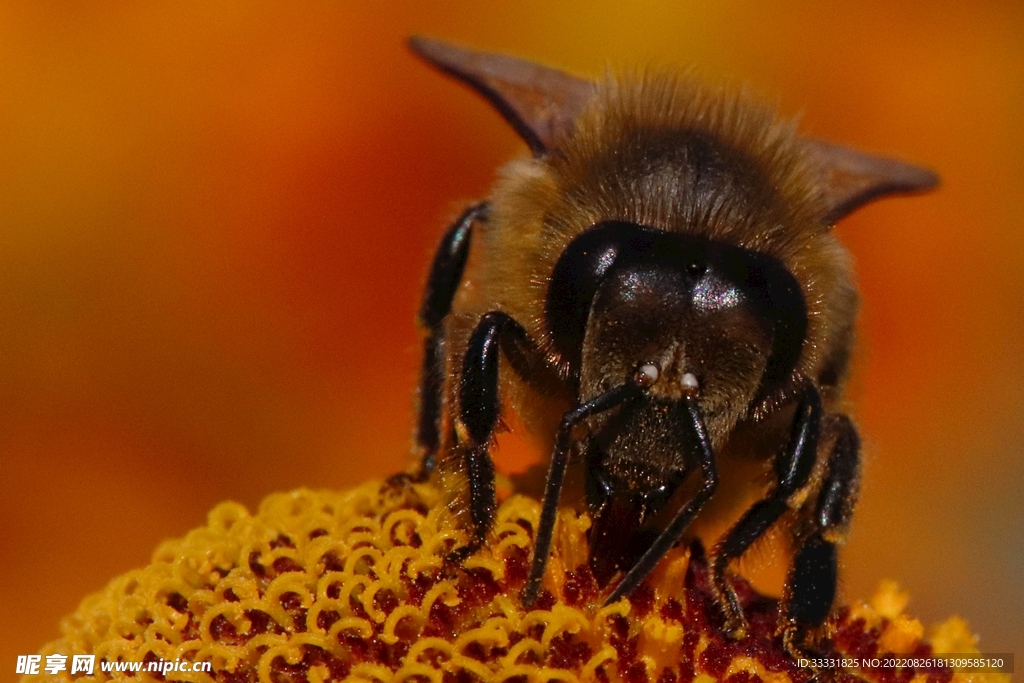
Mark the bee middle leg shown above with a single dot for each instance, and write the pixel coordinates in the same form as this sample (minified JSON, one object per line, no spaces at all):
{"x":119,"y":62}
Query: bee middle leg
{"x":479,"y":411}
{"x":793,"y":468}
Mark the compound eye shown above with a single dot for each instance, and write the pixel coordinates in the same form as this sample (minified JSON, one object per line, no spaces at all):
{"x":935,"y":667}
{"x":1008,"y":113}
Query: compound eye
{"x":646,"y":375}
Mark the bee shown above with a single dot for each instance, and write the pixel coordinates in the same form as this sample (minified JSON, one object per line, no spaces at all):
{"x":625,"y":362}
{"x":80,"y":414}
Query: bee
{"x":654,"y":291}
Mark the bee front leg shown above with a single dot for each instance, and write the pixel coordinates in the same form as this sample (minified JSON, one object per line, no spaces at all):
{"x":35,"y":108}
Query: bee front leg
{"x":444,"y":280}
{"x":677,"y":527}
{"x":556,"y":478}
{"x":793,"y":468}
{"x":479,"y":410}
{"x":811,"y":584}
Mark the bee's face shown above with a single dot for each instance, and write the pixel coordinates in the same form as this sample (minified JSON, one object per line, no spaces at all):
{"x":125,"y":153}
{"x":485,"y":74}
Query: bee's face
{"x":687,"y":317}
{"x":709,"y":318}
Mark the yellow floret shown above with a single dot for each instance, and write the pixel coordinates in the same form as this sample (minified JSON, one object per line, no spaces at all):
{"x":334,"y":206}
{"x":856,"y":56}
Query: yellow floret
{"x":326,"y":586}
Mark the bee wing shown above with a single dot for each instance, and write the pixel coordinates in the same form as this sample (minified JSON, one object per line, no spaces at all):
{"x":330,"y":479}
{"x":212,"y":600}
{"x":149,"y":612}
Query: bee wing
{"x":541,"y":103}
{"x":850,"y":179}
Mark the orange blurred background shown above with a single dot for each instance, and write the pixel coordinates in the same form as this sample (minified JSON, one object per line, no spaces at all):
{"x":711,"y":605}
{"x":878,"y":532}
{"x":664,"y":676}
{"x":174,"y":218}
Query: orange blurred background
{"x":215,"y":220}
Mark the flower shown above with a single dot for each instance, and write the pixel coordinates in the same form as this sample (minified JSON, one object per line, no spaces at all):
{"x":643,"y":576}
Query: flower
{"x":324,"y":586}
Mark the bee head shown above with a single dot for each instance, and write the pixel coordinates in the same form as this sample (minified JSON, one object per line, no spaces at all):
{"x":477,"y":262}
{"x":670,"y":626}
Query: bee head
{"x":728,"y":207}
{"x":693,"y":316}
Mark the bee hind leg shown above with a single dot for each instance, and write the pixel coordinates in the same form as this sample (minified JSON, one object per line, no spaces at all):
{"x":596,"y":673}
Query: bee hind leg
{"x":442,"y":284}
{"x":793,"y":467}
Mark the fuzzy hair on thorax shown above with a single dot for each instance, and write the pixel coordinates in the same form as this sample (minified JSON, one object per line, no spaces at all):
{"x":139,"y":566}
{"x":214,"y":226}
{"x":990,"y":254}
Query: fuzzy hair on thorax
{"x":666,"y":151}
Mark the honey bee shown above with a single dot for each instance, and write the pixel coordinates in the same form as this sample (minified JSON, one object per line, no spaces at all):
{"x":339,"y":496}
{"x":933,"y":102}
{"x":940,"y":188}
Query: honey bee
{"x":655,"y":290}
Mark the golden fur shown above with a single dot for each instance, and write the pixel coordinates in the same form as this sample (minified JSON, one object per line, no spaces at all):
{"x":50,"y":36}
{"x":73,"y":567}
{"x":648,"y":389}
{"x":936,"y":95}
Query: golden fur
{"x":606,"y":171}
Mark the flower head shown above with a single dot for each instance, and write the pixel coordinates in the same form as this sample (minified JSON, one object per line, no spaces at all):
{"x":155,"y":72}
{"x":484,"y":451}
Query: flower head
{"x":325,"y":586}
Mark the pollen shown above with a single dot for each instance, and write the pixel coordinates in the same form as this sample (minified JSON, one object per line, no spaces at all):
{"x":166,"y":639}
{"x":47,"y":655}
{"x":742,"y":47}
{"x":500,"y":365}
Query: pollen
{"x":647,"y":374}
{"x":354,"y":586}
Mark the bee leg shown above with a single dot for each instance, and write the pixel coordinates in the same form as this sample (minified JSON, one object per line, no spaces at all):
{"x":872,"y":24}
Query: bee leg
{"x":556,"y":477}
{"x":793,"y":468}
{"x":479,"y":411}
{"x":445,"y":277}
{"x":811,"y":584}
{"x":675,"y":529}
